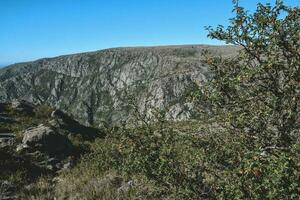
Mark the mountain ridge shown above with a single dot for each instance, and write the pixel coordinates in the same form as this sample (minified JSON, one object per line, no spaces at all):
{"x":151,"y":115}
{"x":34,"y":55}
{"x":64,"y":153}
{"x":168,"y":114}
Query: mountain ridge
{"x":114,"y":48}
{"x":96,"y":86}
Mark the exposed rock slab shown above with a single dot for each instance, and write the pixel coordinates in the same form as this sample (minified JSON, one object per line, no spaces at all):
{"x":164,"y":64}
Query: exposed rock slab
{"x":46,"y":140}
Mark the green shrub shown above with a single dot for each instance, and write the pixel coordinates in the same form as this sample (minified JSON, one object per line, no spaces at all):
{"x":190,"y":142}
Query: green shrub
{"x":164,"y":157}
{"x":162,"y":162}
{"x":238,"y":172}
{"x":255,"y":98}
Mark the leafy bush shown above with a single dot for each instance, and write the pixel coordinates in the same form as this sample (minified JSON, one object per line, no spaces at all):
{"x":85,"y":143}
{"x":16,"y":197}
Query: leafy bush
{"x":255,"y":98}
{"x":236,"y":172}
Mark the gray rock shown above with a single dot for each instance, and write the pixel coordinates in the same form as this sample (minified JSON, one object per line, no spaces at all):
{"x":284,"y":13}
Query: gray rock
{"x":7,"y":190}
{"x":67,"y":165}
{"x":22,"y":147}
{"x":46,"y":140}
{"x":126,"y":186}
{"x":7,"y":140}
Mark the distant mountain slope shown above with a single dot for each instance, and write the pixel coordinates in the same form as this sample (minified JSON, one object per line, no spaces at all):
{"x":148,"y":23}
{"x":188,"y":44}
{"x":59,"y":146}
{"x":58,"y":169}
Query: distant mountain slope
{"x":98,"y":86}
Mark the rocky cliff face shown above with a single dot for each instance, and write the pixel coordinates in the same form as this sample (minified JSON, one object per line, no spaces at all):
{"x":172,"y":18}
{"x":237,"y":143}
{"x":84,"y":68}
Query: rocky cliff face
{"x":100,"y":86}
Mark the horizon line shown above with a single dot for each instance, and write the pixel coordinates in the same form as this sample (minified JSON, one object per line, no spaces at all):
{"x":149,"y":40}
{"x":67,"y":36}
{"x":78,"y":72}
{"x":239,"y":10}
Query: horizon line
{"x":6,"y":64}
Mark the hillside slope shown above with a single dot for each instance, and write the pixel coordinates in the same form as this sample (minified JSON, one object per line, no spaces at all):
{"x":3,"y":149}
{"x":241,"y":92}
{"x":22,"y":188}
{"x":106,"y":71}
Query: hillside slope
{"x":98,"y":86}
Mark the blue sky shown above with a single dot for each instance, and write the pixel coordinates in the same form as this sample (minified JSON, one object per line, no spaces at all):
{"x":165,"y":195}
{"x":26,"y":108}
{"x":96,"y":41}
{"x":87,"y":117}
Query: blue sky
{"x":31,"y":29}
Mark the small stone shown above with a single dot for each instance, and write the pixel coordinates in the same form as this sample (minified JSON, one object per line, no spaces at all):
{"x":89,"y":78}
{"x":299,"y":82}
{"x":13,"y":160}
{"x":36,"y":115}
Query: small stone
{"x":21,"y":147}
{"x":126,"y":186}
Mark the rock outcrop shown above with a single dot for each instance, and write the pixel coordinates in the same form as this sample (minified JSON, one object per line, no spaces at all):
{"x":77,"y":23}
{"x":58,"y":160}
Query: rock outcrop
{"x":47,"y":146}
{"x":37,"y":141}
{"x":7,"y":190}
{"x":46,"y":140}
{"x":99,"y":86}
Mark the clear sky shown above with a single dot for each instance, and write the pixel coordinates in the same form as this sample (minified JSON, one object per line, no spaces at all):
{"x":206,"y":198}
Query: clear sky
{"x":31,"y":29}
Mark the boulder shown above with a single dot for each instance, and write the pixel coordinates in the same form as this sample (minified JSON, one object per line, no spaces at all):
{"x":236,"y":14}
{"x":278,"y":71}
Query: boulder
{"x":47,"y":140}
{"x":6,"y":140}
